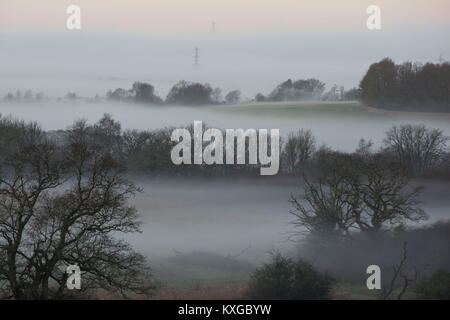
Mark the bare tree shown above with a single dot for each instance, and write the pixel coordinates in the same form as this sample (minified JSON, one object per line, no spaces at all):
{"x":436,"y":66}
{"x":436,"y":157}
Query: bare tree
{"x":326,"y":208}
{"x":65,"y":205}
{"x":134,"y":141}
{"x":298,"y":148}
{"x":386,"y":197}
{"x":417,"y":147}
{"x":357,"y":192}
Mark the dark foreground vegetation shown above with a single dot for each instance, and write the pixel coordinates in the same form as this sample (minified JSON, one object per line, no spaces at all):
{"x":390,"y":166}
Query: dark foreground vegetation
{"x":65,"y":198}
{"x":60,"y":205}
{"x":362,"y":208}
{"x":287,"y":279}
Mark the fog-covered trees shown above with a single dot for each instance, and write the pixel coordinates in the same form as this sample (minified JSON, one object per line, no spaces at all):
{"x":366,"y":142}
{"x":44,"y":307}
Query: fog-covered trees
{"x":417,"y":147}
{"x":119,"y":94}
{"x":190,"y":93}
{"x":370,"y":194}
{"x":309,"y":89}
{"x":233,"y":97}
{"x":260,"y":98}
{"x":61,"y":205}
{"x":140,"y":92}
{"x":144,"y":93}
{"x":298,"y":148}
{"x":352,"y":94}
{"x":25,"y":96}
{"x":407,"y":86}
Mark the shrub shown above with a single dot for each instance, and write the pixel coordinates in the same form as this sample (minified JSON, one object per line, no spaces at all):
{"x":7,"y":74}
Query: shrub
{"x":437,"y":287}
{"x":286,"y":279}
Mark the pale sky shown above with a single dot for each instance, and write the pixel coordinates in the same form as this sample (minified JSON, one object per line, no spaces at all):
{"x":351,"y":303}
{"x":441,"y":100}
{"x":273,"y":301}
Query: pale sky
{"x":256,"y":45}
{"x":175,"y":16}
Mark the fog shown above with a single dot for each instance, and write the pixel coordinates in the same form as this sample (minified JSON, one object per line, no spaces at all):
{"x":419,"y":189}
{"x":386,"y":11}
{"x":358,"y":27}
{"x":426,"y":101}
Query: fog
{"x":91,"y":63}
{"x":340,"y":131}
{"x":228,"y":216}
{"x":220,"y":216}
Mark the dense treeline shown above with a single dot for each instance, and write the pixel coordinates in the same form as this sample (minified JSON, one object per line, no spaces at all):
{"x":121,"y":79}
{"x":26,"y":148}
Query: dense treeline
{"x":407,"y":86}
{"x":415,"y":147}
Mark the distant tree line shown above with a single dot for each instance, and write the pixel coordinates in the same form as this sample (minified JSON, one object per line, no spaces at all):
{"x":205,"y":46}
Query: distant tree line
{"x":310,"y":89}
{"x":407,"y":86}
{"x":415,"y":148}
{"x":25,"y":96}
{"x":194,"y":93}
{"x":182,"y":93}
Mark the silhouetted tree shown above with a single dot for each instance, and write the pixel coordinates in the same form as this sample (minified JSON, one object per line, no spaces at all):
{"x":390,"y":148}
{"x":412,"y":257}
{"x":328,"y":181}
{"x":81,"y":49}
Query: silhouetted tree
{"x":260,"y":98}
{"x":119,"y":94}
{"x":65,"y":205}
{"x":299,"y":148}
{"x":310,"y":89}
{"x":416,"y":146}
{"x":358,"y":193}
{"x":233,"y":97}
{"x":217,"y":95}
{"x":187,"y":93}
{"x":144,"y":93}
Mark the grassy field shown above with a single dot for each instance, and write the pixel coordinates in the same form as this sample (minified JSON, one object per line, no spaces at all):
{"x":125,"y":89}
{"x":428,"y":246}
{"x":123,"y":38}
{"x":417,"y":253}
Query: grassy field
{"x":185,"y":282}
{"x":337,"y":109}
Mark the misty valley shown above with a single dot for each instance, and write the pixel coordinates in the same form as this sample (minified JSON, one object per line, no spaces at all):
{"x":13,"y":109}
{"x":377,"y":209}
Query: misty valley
{"x":206,"y":228}
{"x":253,"y":155}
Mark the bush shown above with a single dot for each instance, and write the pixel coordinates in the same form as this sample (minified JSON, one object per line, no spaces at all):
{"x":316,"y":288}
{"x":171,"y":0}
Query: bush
{"x":437,"y":287}
{"x":286,"y":279}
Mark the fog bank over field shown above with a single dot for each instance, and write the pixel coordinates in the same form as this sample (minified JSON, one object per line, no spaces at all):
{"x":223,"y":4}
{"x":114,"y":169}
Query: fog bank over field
{"x":213,"y":215}
{"x":227,"y":216}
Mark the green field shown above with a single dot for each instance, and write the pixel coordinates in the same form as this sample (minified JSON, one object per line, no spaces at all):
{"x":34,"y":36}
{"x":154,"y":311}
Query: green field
{"x":297,"y":108}
{"x":333,"y":109}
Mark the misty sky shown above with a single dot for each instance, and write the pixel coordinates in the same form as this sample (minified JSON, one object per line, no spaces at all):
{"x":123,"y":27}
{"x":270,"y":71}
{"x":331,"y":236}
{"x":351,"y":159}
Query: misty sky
{"x":255,"y":45}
